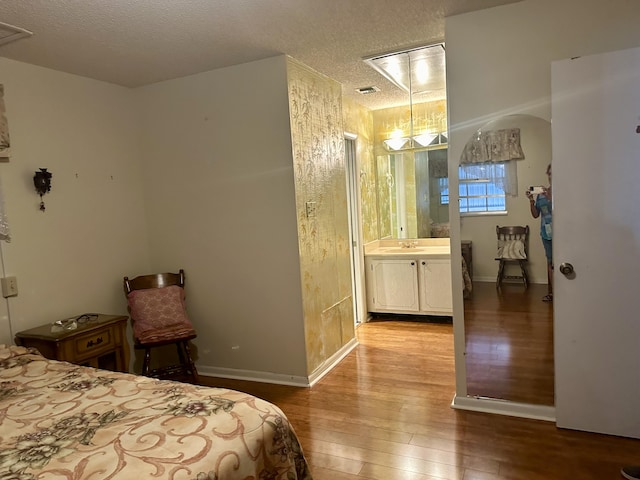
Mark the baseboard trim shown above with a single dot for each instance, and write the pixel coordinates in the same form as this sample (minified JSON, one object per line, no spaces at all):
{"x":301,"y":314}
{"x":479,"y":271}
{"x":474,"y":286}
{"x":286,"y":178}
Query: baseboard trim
{"x":253,"y":376}
{"x":278,"y":378}
{"x":331,"y":362}
{"x":504,"y":407}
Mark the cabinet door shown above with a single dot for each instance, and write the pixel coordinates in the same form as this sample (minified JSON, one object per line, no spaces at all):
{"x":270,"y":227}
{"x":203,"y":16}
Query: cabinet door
{"x":392,"y":285}
{"x":435,"y":286}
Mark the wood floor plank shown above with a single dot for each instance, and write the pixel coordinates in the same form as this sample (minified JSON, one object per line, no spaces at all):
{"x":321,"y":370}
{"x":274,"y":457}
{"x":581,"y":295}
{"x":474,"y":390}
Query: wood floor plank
{"x":384,"y":413}
{"x":509,"y":343}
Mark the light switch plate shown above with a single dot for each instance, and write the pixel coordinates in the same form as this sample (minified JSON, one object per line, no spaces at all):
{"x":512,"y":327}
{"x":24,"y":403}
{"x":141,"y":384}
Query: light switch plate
{"x":9,"y":286}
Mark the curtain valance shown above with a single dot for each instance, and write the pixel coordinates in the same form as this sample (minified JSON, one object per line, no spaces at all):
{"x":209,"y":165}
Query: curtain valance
{"x":493,"y":146}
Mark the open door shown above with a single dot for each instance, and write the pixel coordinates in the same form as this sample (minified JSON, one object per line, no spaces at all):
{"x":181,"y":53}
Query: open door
{"x":596,"y":241}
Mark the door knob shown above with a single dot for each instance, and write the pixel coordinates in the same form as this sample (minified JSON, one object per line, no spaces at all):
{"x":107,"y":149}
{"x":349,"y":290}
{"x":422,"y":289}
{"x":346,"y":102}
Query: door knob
{"x":566,"y":268}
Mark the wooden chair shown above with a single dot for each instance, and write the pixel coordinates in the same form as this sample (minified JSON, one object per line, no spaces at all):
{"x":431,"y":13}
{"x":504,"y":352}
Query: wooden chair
{"x":513,"y":247}
{"x":158,"y":315}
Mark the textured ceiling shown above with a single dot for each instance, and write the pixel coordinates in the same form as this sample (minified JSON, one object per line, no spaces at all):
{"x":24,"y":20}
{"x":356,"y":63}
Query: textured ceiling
{"x":139,"y":42}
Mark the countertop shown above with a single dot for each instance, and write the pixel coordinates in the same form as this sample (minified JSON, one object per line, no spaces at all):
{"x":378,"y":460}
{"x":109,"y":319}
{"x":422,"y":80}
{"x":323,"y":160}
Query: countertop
{"x":421,"y":251}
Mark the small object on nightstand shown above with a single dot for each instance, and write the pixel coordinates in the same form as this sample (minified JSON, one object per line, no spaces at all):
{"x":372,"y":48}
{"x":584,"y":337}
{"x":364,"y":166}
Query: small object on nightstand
{"x":62,"y":325}
{"x":91,"y":339}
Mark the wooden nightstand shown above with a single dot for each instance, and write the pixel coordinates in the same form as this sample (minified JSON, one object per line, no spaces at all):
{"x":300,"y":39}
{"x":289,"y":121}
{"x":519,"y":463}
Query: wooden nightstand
{"x":100,"y":341}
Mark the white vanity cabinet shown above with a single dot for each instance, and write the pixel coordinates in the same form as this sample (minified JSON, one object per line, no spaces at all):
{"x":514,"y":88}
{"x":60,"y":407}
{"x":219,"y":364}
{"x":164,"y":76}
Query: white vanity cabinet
{"x":434,"y":278}
{"x":409,"y":282}
{"x":392,"y":285}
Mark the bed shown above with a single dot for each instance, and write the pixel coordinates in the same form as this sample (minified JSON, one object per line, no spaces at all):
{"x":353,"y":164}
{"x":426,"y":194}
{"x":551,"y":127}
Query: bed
{"x":63,"y":421}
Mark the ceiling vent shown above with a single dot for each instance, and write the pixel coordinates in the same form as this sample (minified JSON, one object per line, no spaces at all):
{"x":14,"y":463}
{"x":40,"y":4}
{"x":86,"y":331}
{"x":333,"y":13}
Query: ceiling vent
{"x":10,"y":33}
{"x":367,"y":90}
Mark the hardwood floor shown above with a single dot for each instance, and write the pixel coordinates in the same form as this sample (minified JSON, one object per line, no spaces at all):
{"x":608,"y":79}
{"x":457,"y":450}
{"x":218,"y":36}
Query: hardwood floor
{"x":384,"y":413}
{"x":509,"y":339}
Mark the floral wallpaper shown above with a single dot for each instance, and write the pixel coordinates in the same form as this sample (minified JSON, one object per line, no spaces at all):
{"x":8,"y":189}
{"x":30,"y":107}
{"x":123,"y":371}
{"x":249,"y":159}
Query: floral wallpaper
{"x":359,"y":120}
{"x":317,"y":132}
{"x":319,"y":118}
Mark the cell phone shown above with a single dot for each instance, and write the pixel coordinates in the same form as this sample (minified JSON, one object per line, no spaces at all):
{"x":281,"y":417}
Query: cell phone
{"x":537,"y":190}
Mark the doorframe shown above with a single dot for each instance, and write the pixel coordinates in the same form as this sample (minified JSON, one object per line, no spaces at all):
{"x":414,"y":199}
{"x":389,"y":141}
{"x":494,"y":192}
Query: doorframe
{"x":461,"y":399}
{"x":355,"y":232}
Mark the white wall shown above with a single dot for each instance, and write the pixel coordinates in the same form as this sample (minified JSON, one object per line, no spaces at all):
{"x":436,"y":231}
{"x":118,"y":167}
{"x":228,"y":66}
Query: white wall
{"x":499,"y":62}
{"x":71,"y":258}
{"x":221,"y":204}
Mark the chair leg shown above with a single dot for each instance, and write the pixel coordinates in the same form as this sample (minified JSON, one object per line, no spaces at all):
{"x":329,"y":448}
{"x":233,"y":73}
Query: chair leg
{"x":525,"y":277}
{"x":500,"y":274}
{"x":146,"y":364}
{"x":179,"y":348}
{"x":191,"y":365}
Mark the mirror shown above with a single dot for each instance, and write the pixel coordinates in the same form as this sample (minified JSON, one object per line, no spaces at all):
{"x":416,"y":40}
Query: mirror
{"x":412,"y":198}
{"x":509,"y":331}
{"x":410,"y":150}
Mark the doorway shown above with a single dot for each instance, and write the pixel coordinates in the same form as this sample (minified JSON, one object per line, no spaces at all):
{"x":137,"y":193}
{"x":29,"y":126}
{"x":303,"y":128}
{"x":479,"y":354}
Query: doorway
{"x":355,"y":235}
{"x":508,"y":332}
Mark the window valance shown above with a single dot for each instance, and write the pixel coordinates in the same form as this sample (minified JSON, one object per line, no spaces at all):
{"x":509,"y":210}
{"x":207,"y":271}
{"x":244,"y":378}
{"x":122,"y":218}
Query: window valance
{"x":493,"y":146}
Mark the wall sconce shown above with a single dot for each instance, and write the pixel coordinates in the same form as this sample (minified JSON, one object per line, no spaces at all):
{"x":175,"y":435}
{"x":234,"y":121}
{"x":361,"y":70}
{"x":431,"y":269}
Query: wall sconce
{"x":42,"y":182}
{"x":393,"y":144}
{"x":419,"y":141}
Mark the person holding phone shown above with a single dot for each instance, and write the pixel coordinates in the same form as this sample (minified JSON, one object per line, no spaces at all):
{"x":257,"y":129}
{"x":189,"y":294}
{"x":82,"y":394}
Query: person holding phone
{"x":541,"y":206}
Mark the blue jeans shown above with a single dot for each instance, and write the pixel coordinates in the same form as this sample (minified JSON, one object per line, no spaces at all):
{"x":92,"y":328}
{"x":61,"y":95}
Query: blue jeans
{"x":547,"y":250}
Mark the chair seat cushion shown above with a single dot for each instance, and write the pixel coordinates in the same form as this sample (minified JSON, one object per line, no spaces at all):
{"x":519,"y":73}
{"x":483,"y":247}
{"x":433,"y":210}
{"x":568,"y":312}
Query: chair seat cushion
{"x":159,"y":314}
{"x":511,"y":250}
{"x":165,"y":335}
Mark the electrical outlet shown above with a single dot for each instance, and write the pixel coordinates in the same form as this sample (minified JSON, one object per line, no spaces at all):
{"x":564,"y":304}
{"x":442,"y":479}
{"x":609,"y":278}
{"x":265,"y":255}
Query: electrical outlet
{"x":9,"y":286}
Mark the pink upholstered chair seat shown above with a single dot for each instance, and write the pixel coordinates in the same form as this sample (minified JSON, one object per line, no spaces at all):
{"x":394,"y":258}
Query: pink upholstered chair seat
{"x":159,"y":314}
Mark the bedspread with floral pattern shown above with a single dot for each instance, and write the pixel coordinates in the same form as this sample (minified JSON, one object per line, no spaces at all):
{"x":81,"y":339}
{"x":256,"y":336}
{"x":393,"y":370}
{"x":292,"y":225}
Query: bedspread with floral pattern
{"x":63,"y":421}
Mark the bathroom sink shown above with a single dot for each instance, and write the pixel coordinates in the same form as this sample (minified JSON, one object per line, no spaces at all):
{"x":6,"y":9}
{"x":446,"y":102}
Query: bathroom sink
{"x":404,"y":250}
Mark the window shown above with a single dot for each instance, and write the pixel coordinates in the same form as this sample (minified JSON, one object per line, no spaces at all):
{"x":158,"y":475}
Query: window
{"x":481,"y":188}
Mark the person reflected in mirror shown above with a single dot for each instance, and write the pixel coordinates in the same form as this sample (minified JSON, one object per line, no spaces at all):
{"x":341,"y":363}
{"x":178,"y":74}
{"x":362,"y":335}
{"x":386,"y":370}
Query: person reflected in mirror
{"x":541,"y":206}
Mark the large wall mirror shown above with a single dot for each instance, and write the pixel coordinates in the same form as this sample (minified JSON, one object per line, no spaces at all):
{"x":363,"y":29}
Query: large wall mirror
{"x":509,"y":331}
{"x":411,"y":173}
{"x":413,"y":200}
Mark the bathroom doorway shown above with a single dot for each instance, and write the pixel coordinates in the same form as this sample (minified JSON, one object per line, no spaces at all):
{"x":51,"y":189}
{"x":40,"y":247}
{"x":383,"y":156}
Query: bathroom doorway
{"x":355,"y":235}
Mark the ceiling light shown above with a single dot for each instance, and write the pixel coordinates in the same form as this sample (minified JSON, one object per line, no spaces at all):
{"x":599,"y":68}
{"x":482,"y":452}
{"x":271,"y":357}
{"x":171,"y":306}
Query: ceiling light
{"x":418,"y":70}
{"x":11,"y":33}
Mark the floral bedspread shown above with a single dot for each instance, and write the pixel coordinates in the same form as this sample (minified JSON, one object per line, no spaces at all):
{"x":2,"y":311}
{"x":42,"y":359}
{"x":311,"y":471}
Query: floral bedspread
{"x":62,"y":421}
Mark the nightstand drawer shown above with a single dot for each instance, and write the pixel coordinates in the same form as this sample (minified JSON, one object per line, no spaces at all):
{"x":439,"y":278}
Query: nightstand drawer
{"x":89,"y":345}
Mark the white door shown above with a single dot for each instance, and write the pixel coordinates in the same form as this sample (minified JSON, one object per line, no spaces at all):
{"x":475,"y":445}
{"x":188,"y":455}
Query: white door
{"x":392,"y":285}
{"x":596,"y":222}
{"x":353,"y":195}
{"x":435,"y":286}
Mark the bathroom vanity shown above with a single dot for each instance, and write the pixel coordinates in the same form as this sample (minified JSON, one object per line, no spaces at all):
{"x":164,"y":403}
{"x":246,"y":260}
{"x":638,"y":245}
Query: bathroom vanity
{"x":413,"y":279}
